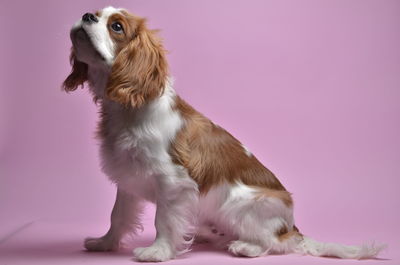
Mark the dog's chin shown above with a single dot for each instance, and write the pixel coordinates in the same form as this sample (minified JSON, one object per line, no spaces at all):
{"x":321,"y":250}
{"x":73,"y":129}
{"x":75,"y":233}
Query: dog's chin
{"x":84,"y":49}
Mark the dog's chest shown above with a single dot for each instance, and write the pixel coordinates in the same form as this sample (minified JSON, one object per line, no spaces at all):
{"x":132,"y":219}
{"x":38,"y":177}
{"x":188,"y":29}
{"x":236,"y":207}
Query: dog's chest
{"x":135,"y":146}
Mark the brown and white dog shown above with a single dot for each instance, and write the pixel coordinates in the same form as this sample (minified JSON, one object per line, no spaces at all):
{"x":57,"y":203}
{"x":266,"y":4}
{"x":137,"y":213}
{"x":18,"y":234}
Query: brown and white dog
{"x":157,"y":148}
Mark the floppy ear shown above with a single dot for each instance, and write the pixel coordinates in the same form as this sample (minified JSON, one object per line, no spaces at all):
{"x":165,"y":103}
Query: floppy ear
{"x":140,"y":70}
{"x":78,"y":74}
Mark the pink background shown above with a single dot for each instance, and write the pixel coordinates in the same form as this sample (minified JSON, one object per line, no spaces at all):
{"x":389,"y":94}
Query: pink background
{"x":311,"y":87}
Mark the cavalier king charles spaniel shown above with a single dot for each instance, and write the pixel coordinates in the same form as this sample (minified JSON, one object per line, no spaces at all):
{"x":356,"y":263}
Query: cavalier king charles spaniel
{"x":155,"y":147}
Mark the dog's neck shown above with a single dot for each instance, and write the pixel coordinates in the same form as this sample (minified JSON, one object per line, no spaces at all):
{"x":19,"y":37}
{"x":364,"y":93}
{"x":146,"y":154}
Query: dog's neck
{"x":98,"y":78}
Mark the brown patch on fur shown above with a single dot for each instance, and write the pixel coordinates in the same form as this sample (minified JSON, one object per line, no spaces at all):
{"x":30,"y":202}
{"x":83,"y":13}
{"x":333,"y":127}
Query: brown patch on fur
{"x":283,"y":233}
{"x":283,"y":195}
{"x":289,"y":235}
{"x":140,"y":69}
{"x":213,"y":156}
{"x":78,"y":75}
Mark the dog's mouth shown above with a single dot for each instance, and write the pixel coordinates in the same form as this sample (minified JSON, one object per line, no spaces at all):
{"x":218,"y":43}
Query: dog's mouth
{"x":83,"y":45}
{"x":81,"y":35}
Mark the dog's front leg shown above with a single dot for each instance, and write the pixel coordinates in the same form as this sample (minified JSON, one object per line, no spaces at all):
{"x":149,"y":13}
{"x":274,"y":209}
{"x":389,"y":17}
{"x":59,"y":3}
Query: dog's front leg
{"x":175,"y":218}
{"x":124,"y":219}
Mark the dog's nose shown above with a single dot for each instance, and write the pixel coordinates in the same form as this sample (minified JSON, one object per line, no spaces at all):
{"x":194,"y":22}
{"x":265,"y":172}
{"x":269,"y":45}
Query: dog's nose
{"x":89,"y":17}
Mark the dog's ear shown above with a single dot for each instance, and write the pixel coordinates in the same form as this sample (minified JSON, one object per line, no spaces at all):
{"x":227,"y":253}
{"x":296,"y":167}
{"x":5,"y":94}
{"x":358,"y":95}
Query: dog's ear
{"x":140,"y":69}
{"x":78,"y":75}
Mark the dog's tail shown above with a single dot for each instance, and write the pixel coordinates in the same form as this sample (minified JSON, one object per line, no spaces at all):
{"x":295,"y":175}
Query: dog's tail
{"x":309,"y":246}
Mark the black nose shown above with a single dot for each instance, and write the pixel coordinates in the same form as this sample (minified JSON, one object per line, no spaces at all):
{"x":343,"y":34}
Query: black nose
{"x":89,"y":17}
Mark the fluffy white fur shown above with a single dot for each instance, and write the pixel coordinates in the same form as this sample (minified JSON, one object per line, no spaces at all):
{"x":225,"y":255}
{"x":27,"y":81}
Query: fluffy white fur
{"x":135,"y":156}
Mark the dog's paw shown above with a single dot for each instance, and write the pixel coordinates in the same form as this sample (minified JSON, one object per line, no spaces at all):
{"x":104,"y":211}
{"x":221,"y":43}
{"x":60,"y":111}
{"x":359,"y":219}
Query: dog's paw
{"x":101,"y":244}
{"x":154,"y":253}
{"x":241,"y":248}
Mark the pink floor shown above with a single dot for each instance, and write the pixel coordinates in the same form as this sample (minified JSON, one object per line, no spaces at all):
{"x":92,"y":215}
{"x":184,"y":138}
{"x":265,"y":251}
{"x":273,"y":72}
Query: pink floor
{"x":50,"y":242}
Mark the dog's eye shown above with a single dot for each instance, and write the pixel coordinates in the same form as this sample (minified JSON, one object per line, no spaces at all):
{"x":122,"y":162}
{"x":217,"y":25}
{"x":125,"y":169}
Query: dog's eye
{"x":117,"y":27}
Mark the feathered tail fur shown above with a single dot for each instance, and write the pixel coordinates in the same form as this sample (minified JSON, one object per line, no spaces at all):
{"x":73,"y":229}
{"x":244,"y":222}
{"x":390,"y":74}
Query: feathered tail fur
{"x":309,"y":246}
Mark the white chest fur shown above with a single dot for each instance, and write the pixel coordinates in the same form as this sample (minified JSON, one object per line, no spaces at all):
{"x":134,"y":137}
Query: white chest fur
{"x":134,"y":150}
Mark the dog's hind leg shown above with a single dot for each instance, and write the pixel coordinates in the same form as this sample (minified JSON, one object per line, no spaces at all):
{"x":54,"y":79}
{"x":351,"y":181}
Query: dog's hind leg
{"x":256,"y":216}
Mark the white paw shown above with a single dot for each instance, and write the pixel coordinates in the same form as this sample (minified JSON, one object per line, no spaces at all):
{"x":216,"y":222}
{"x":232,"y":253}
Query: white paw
{"x":101,"y":244}
{"x":241,"y":248}
{"x":155,"y":253}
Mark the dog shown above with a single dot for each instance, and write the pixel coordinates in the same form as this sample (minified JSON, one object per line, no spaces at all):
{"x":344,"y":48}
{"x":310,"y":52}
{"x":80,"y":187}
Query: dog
{"x":155,"y":147}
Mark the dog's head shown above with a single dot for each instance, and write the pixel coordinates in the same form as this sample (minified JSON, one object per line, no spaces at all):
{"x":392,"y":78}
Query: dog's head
{"x":119,"y":44}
